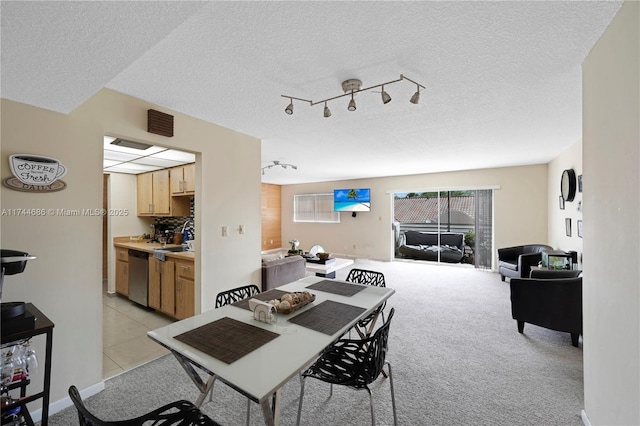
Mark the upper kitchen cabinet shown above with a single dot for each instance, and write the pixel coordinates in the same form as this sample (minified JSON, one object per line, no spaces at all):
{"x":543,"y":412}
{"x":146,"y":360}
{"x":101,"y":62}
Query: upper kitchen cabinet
{"x":154,"y":196}
{"x":183,"y":180}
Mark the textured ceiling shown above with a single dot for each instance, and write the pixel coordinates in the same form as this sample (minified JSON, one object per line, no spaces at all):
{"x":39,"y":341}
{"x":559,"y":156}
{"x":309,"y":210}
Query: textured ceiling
{"x":503,"y":79}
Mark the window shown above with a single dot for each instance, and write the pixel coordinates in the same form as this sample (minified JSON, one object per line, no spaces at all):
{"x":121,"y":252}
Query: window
{"x":314,"y":208}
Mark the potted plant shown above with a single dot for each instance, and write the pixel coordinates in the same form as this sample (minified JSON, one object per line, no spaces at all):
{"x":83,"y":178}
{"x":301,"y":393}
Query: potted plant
{"x":294,"y":247}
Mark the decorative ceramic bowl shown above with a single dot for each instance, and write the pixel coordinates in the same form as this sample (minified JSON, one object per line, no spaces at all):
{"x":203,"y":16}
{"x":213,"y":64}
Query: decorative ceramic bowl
{"x":323,"y":256}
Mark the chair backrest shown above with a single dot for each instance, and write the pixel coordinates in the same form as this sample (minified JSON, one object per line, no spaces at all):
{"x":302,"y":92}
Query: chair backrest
{"x":235,"y":294}
{"x":551,"y":273}
{"x":550,"y":303}
{"x":364,"y":276}
{"x":84,"y":416}
{"x":375,"y":353}
{"x":178,"y":413}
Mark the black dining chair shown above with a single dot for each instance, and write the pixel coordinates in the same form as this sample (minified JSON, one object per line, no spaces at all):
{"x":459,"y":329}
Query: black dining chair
{"x":365,"y":326}
{"x":355,"y":364}
{"x":178,"y":413}
{"x":231,"y":296}
{"x":236,"y":294}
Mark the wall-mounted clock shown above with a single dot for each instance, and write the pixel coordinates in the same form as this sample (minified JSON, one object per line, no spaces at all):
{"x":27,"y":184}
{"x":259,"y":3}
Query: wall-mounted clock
{"x":568,"y":185}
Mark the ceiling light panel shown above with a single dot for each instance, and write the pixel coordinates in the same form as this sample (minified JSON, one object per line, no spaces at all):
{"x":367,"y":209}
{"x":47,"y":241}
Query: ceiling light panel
{"x":180,"y":156}
{"x":132,"y":168}
{"x":160,"y":162}
{"x":119,"y":156}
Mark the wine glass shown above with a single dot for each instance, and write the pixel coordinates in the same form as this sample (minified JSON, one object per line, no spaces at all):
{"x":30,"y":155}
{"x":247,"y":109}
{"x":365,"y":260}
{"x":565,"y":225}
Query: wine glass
{"x":30,"y":358}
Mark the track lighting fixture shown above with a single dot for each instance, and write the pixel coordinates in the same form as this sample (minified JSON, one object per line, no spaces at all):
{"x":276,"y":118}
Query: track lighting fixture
{"x":352,"y":103}
{"x":289,"y":108}
{"x":278,"y":163}
{"x":327,"y":111}
{"x":416,"y":96}
{"x":385,"y":96}
{"x":351,"y":87}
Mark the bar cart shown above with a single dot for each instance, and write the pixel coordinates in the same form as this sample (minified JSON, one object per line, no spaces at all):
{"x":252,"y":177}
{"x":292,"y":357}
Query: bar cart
{"x":20,"y":322}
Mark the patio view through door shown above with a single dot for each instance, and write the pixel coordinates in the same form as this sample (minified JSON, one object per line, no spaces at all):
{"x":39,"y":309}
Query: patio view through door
{"x":467,"y":212}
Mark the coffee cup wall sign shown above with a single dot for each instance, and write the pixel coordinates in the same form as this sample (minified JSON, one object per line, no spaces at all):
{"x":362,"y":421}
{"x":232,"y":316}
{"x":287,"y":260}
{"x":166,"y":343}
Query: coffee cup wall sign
{"x":35,"y":173}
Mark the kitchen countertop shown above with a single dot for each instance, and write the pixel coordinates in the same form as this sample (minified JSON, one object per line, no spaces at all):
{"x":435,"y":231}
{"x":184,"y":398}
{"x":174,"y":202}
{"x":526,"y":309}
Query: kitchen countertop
{"x":147,"y":246}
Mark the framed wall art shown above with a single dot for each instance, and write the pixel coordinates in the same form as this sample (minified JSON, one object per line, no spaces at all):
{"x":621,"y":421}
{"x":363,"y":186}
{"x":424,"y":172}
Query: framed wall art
{"x":567,"y":226}
{"x":580,"y":228}
{"x":561,"y":201}
{"x":580,"y":183}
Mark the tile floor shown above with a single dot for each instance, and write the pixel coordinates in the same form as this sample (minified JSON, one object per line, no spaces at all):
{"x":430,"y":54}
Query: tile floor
{"x":124,"y":341}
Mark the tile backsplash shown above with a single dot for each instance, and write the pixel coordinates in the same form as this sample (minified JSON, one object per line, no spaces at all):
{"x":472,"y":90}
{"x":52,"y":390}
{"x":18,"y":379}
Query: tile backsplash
{"x":175,"y":223}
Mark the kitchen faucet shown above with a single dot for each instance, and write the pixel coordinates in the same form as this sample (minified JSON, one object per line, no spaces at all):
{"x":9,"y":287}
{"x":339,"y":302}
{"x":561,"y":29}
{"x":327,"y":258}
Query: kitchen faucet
{"x":184,"y":230}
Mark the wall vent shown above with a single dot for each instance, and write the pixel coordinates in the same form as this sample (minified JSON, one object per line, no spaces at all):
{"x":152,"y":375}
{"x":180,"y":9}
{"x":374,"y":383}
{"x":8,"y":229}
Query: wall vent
{"x":159,"y":123}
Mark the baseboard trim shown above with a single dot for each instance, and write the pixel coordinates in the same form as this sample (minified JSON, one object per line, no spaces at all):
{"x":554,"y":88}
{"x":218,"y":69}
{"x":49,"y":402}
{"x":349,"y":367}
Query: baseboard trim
{"x":585,"y":419}
{"x":65,"y":402}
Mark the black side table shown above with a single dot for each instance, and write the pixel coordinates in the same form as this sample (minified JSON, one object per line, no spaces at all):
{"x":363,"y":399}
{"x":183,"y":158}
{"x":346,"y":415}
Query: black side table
{"x":43,"y":325}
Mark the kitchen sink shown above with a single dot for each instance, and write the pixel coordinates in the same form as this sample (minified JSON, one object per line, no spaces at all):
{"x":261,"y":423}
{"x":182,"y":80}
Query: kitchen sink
{"x":174,"y":249}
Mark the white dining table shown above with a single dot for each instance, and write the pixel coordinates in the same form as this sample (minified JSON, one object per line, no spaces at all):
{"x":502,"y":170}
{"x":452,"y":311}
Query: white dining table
{"x":261,"y":374}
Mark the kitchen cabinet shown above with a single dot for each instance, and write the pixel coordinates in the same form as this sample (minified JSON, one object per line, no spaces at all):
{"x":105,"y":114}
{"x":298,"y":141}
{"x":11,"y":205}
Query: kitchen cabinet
{"x":154,"y":197}
{"x":122,"y":271}
{"x":185,"y":289}
{"x":183,"y":180}
{"x":162,"y":285}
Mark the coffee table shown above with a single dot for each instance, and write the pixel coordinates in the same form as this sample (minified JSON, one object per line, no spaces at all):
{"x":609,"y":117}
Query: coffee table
{"x":328,"y":270}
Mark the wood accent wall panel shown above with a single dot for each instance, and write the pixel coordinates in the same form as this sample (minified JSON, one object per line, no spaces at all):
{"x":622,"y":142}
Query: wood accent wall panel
{"x":271,"y":209}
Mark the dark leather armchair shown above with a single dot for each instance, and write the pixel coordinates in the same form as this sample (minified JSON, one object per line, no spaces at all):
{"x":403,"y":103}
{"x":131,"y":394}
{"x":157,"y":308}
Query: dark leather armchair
{"x":516,"y":262}
{"x":550,"y":303}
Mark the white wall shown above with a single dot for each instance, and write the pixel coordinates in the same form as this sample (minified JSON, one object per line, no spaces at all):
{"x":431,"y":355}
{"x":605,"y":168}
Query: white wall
{"x":122,"y":194}
{"x":611,"y":285}
{"x":65,"y":282}
{"x":520,"y":209}
{"x":571,"y":158}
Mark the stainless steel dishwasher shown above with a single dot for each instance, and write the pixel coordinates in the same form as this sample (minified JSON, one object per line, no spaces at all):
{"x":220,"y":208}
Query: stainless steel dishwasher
{"x":139,"y":277}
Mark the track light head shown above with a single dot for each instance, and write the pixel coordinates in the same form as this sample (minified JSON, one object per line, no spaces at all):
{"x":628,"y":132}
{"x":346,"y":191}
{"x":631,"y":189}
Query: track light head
{"x":385,"y":96}
{"x":416,"y":97}
{"x":289,"y":108}
{"x":327,"y":111}
{"x":352,"y":103}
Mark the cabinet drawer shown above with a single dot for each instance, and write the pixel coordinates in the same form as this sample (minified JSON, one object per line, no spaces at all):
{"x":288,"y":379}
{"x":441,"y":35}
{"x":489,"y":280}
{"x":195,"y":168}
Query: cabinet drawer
{"x":122,"y":254}
{"x":185,"y":270}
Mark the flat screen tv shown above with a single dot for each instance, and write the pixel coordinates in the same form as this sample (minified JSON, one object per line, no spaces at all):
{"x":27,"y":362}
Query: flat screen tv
{"x":352,"y":200}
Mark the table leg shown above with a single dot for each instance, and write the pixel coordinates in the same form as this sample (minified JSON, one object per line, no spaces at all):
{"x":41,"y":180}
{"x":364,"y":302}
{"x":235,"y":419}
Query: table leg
{"x":271,"y":411}
{"x":203,"y":387}
{"x":204,"y":393}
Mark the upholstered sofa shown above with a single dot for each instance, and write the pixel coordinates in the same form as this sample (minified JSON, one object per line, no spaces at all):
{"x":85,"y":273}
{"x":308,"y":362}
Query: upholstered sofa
{"x":516,"y":261}
{"x":554,"y":303}
{"x":424,"y":246}
{"x":282,"y":270}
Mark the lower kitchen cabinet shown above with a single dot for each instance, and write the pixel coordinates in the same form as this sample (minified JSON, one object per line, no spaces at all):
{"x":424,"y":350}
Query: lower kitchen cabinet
{"x":185,"y":289}
{"x":171,"y":287}
{"x":162,"y":285}
{"x":122,"y":271}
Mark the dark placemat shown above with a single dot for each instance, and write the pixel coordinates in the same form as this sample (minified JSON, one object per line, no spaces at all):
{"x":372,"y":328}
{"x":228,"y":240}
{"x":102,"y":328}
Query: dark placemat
{"x":227,"y":339}
{"x":265,"y":296}
{"x":328,"y":317}
{"x":337,"y":287}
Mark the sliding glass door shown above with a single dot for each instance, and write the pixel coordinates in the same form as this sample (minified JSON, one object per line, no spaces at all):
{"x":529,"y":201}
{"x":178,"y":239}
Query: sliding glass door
{"x":455,"y":226}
